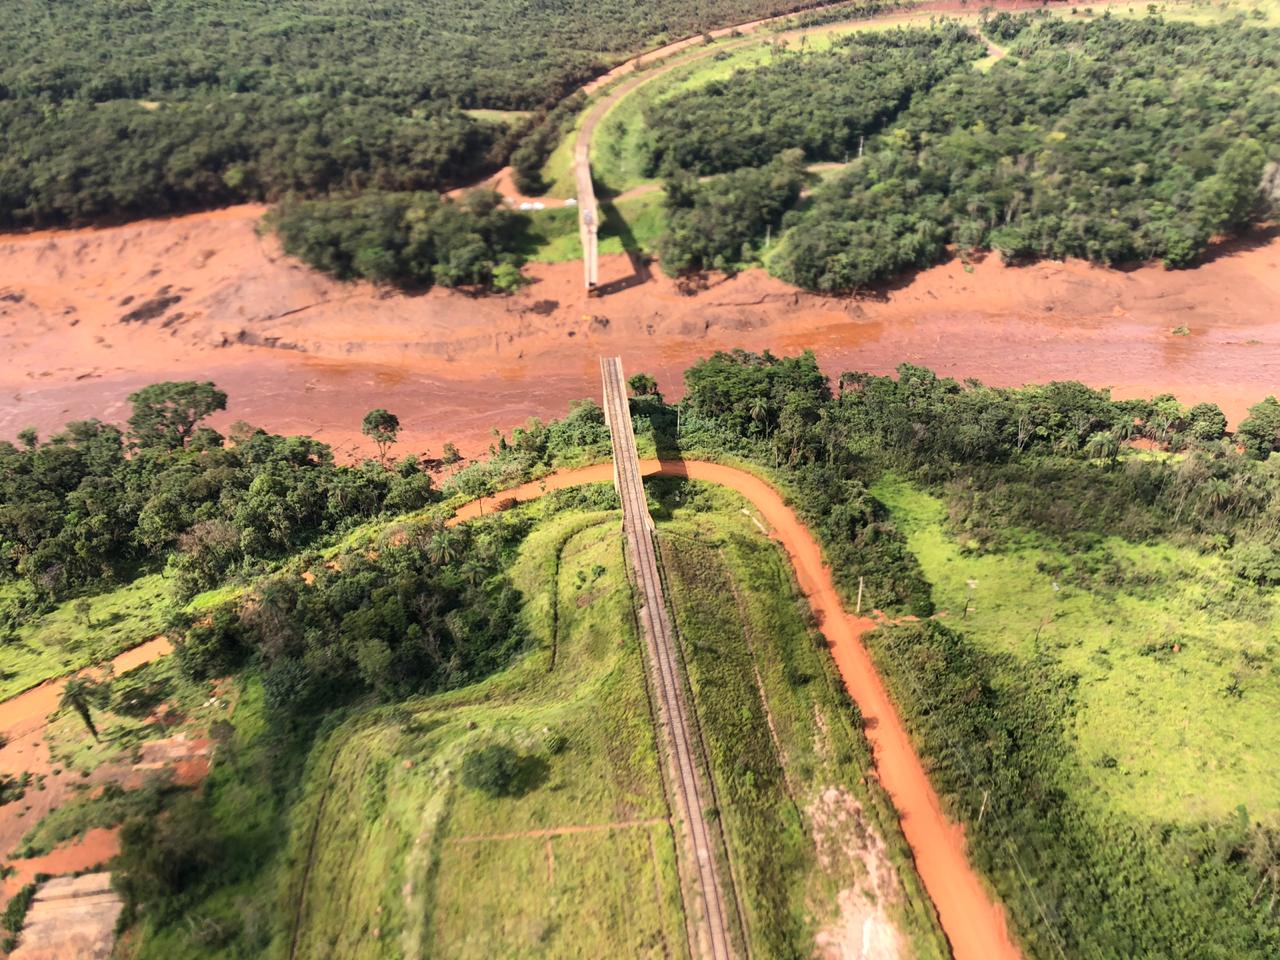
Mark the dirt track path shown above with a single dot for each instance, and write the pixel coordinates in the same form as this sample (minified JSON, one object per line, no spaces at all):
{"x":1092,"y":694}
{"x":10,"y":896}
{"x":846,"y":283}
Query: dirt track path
{"x":561,"y":831}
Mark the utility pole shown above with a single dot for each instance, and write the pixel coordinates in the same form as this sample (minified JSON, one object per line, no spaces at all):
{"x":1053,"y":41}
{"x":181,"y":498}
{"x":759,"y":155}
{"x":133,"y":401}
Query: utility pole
{"x":859,"y":610}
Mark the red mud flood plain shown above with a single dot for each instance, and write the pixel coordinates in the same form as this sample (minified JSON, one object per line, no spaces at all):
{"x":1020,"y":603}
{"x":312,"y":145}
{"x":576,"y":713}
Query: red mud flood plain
{"x":88,"y":316}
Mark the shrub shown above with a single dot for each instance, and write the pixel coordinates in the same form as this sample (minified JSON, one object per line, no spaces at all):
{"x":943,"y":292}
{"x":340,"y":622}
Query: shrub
{"x":493,"y":770}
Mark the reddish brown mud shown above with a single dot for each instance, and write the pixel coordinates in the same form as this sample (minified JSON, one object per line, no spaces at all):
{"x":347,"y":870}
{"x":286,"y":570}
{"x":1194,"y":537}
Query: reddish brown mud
{"x":300,"y":353}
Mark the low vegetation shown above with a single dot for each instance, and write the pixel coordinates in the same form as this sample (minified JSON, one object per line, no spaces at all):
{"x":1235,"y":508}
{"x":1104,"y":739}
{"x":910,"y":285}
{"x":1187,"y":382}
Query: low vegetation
{"x":417,"y":709}
{"x":805,"y":829}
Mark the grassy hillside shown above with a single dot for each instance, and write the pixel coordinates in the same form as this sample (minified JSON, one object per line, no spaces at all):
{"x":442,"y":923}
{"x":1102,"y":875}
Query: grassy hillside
{"x":443,"y":869}
{"x":1175,"y":688}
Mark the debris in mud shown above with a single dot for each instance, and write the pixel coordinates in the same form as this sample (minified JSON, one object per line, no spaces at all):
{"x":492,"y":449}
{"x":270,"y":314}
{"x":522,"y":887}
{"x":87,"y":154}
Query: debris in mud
{"x":12,"y":297}
{"x":544,"y":308}
{"x":151,"y":309}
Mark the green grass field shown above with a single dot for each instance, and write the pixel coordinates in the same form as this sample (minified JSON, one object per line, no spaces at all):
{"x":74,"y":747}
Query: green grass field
{"x":60,"y":641}
{"x":505,"y":117}
{"x":627,"y":226}
{"x":1184,"y":736}
{"x":441,"y":869}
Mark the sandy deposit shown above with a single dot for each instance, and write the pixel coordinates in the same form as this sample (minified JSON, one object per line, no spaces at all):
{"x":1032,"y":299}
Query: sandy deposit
{"x":88,"y":316}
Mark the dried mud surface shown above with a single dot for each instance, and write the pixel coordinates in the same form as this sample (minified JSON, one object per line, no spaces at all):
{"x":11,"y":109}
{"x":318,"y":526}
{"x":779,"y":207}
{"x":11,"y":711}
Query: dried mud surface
{"x":88,"y":316}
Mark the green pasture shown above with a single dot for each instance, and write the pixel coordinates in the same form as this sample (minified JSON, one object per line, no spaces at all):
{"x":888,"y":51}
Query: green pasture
{"x":1177,"y":668}
{"x":442,"y":869}
{"x":68,"y":638}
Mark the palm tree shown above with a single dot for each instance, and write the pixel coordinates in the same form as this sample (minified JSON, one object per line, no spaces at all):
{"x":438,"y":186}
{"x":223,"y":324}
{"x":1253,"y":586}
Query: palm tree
{"x":1217,"y":491}
{"x":759,"y":411}
{"x":1102,"y":445}
{"x":443,"y":546}
{"x":78,"y":694}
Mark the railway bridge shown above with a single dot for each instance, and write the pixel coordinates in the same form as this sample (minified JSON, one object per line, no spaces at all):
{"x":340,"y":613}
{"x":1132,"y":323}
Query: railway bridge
{"x":710,"y":915}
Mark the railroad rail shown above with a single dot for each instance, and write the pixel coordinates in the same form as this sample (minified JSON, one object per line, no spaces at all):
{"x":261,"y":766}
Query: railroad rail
{"x":710,"y":918}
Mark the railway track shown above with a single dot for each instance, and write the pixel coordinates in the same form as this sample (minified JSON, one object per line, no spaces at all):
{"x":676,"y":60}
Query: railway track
{"x":711,"y":918}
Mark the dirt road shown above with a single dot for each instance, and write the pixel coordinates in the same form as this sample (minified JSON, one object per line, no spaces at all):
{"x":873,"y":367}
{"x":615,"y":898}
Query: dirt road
{"x":974,"y":925}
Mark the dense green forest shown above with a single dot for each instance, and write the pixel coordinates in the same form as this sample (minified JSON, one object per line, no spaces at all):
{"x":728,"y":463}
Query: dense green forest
{"x":407,"y":239}
{"x":715,"y":225}
{"x":1049,"y":463}
{"x":1115,"y":141}
{"x":93,"y":504}
{"x":128,"y":109}
{"x":821,"y":103}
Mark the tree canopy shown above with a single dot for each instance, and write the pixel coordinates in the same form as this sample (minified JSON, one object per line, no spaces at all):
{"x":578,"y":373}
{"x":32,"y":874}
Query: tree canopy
{"x":407,"y":239}
{"x":1113,"y":140}
{"x":124,"y":108}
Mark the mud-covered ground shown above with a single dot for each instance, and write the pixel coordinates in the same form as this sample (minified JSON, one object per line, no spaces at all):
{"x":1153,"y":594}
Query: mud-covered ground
{"x":88,"y":316}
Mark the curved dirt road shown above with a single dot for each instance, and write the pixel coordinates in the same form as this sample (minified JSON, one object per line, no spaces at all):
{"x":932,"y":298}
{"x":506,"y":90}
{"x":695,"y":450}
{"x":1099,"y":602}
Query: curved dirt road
{"x":972,"y":922}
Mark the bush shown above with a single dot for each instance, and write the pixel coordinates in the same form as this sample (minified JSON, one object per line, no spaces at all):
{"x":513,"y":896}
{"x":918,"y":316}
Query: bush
{"x":213,"y":647}
{"x":493,"y":770}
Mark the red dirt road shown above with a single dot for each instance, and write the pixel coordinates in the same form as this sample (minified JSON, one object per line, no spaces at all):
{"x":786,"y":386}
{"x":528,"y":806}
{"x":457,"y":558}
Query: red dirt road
{"x":973,"y":923}
{"x":303,"y":354}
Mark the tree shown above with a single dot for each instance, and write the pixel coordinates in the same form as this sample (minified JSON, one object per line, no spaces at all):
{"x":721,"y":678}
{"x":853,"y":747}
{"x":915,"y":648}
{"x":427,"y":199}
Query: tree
{"x":79,"y":694}
{"x":83,"y":609}
{"x":382,"y":427}
{"x":1207,"y":422}
{"x":1260,"y":431}
{"x":493,"y":770}
{"x":165,"y":414}
{"x":643,"y":385}
{"x":444,"y":545}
